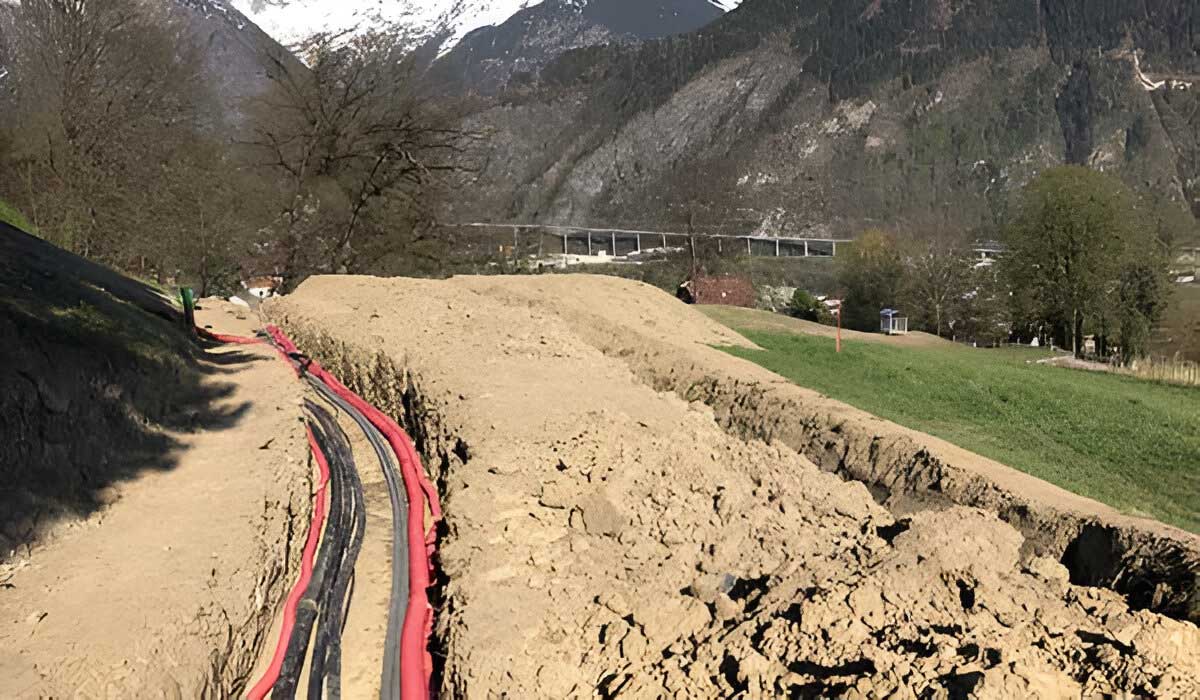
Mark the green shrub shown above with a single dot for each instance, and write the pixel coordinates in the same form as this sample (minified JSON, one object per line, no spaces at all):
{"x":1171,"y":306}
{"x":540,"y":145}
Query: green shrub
{"x":805,"y":306}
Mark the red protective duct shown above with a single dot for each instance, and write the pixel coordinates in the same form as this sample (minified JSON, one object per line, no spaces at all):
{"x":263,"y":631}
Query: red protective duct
{"x":416,"y":664}
{"x":264,"y":685}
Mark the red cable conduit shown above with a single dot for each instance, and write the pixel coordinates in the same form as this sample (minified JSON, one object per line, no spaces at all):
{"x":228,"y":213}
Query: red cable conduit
{"x":260,"y":690}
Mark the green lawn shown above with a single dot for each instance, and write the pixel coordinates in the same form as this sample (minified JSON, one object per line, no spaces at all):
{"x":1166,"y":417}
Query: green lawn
{"x":1127,"y":442}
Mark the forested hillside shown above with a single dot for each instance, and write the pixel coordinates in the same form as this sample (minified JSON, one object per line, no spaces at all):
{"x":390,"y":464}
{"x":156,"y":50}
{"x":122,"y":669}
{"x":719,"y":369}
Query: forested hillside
{"x":824,"y":116}
{"x":177,"y":140}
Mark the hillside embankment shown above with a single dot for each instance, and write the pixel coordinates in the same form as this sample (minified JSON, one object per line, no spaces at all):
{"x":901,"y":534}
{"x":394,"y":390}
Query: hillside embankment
{"x":632,"y":512}
{"x":150,"y":489}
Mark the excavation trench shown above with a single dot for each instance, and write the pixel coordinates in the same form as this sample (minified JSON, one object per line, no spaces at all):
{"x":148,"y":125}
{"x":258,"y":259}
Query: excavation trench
{"x":395,"y":391}
{"x":631,"y":512}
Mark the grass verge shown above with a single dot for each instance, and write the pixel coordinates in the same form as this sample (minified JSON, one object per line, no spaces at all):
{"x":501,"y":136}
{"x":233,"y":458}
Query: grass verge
{"x":1132,"y":444}
{"x":11,"y":216}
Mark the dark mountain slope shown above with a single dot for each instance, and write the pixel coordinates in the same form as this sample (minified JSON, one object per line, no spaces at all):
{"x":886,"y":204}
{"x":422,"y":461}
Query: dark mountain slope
{"x":488,"y":59}
{"x":825,"y":115}
{"x":236,"y":52}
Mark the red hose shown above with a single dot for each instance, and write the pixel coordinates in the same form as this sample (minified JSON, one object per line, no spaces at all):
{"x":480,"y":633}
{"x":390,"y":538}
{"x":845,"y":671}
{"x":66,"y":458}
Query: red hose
{"x":264,"y":685}
{"x":416,"y":664}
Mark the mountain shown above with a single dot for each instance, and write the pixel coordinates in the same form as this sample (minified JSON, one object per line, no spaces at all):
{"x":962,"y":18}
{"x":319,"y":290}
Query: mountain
{"x":443,"y":22}
{"x":482,"y":43}
{"x":490,"y":59}
{"x":235,"y":51}
{"x":821,"y":117}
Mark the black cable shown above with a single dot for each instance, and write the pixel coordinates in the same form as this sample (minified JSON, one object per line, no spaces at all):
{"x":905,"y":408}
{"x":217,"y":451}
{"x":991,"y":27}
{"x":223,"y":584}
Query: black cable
{"x":308,"y":607}
{"x":327,"y":652}
{"x":398,"y":603}
{"x":337,"y":533}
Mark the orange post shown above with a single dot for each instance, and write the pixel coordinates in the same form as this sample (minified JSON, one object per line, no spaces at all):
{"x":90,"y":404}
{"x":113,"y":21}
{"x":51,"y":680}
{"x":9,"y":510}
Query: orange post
{"x":839,"y":331}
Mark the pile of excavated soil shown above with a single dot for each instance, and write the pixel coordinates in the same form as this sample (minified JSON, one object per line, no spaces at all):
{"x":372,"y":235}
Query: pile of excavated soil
{"x":632,"y":513}
{"x":168,"y":587}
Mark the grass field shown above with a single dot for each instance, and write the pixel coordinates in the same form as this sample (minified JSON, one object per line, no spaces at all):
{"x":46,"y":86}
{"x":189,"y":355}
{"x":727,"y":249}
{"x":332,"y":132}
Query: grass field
{"x":1129,"y":443}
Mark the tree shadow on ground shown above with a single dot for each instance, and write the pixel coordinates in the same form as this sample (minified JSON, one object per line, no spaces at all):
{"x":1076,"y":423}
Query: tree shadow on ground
{"x":96,"y":373}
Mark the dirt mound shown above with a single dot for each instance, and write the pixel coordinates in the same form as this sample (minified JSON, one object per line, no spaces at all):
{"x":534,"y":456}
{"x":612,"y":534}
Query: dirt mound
{"x":606,"y":533}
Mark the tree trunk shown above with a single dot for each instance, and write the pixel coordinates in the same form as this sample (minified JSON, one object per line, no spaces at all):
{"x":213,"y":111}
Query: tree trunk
{"x":1075,"y":349}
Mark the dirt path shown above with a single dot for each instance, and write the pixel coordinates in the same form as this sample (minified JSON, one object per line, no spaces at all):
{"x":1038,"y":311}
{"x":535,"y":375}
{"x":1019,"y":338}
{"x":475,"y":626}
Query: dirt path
{"x":616,"y":523}
{"x":754,"y":319}
{"x":169,"y":591}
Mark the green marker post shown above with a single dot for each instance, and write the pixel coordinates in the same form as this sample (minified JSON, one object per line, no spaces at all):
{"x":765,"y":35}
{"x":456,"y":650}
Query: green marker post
{"x":189,"y":307}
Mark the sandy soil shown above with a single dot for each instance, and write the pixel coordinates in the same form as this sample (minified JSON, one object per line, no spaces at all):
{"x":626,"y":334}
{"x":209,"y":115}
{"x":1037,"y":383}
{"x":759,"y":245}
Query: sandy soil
{"x":170,"y":589}
{"x":635,"y":514}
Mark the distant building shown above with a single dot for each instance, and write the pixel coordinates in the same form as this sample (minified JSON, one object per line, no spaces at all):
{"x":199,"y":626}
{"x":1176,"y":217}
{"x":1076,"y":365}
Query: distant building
{"x":987,"y":252}
{"x":262,"y":287}
{"x":892,"y":322}
{"x":719,"y":290}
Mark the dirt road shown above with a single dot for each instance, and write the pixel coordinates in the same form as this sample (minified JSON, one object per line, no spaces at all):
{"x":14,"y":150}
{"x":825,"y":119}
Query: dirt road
{"x":616,"y":523}
{"x":169,"y":590}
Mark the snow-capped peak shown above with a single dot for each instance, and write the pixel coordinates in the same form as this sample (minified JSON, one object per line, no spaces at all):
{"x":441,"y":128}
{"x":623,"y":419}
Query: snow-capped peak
{"x":291,"y":21}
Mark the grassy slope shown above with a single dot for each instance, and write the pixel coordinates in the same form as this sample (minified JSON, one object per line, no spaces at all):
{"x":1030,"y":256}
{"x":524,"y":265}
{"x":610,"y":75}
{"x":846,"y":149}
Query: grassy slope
{"x":1129,"y":443}
{"x":10,"y":215}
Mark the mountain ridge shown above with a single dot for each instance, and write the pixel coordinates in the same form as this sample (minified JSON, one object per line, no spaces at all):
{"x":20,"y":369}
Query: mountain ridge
{"x":827,"y":117}
{"x":442,"y":23}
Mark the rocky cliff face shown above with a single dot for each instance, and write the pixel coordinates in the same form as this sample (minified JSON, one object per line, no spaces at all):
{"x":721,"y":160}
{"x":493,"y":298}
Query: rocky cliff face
{"x":236,"y":52}
{"x":825,"y":116}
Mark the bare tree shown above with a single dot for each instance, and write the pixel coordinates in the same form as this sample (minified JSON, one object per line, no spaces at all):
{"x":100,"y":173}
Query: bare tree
{"x":351,"y":141}
{"x":938,"y":274}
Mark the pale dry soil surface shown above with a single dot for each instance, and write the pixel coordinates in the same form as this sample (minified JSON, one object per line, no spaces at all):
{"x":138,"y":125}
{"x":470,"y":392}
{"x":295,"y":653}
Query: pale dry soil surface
{"x":170,"y":589}
{"x":632,"y":513}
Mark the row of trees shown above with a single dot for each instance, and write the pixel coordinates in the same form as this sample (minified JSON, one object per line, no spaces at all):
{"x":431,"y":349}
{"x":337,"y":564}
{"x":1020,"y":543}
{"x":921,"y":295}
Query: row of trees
{"x":115,"y":146}
{"x":1080,"y":259}
{"x":936,"y":281}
